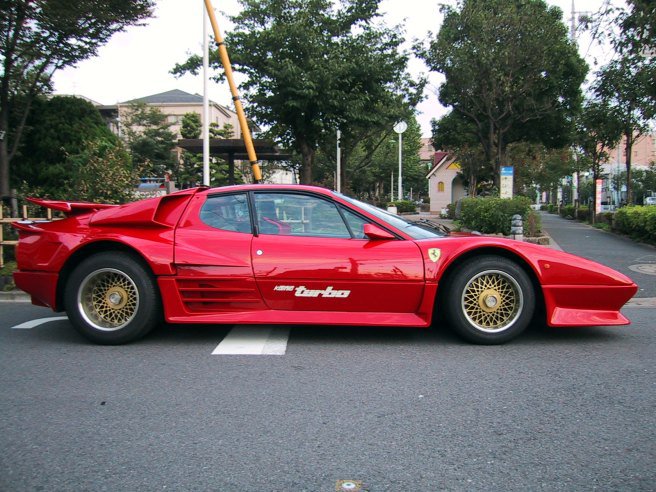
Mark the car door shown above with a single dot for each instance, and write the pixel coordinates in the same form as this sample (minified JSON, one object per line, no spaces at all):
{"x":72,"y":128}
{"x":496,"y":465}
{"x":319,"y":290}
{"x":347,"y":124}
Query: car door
{"x":310,"y":254}
{"x":213,"y":256}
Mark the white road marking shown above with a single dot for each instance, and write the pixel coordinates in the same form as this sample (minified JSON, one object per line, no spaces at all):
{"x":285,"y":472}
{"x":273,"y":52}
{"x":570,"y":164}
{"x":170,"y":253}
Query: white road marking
{"x":254,"y":340}
{"x":36,"y":322}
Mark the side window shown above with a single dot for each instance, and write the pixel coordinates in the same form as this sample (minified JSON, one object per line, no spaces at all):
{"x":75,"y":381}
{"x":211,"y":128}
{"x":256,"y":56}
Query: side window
{"x":356,"y":223}
{"x":227,"y":212}
{"x":298,"y":215}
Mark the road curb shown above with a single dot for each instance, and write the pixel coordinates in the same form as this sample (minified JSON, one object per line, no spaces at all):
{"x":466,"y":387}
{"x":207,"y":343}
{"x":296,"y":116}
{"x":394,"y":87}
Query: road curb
{"x":14,"y":296}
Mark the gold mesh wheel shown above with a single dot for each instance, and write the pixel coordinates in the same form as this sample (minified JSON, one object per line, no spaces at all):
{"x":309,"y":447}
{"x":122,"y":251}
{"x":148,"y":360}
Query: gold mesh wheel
{"x":108,"y":299}
{"x":492,"y":301}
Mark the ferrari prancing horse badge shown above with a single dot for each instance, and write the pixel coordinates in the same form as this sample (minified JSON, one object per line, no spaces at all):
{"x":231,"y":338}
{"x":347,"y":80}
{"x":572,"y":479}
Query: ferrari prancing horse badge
{"x":434,"y":254}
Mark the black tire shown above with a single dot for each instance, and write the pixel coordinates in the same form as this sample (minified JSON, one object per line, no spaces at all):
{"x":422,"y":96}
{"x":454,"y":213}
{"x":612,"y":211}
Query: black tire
{"x":488,"y":300}
{"x":111,"y":298}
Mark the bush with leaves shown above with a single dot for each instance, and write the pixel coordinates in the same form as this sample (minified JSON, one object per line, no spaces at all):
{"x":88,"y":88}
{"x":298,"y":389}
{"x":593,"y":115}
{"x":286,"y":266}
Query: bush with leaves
{"x":493,"y":215}
{"x":104,"y":174}
{"x":637,"y":222}
{"x":404,"y":206}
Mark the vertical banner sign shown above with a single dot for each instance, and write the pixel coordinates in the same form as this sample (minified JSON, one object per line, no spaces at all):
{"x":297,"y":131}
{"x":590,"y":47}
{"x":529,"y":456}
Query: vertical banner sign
{"x":598,"y":195}
{"x":506,"y":188}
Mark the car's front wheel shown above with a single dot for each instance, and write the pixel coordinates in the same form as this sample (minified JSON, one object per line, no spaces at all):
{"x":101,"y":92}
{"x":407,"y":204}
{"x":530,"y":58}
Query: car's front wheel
{"x":489,"y":300}
{"x":111,"y":298}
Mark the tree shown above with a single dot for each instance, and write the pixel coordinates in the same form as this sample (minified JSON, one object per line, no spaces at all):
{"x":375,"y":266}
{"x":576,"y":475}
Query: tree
{"x":598,"y":131}
{"x":510,"y":71}
{"x":313,"y":67}
{"x":626,"y":84}
{"x":456,"y":134}
{"x":56,"y":128}
{"x":623,"y":85}
{"x":638,"y":27}
{"x":104,"y":173}
{"x":191,"y":126}
{"x":39,"y":37}
{"x":149,"y":139}
{"x":189,"y":171}
{"x":373,"y":161}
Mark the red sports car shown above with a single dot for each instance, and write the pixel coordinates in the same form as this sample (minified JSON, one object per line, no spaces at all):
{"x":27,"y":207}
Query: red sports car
{"x":301,"y":255}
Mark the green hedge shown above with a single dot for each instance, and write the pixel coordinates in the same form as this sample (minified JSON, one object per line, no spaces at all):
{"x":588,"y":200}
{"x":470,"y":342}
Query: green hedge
{"x":567,"y":211}
{"x":493,"y":215}
{"x":570,"y":212}
{"x":404,"y":206}
{"x":637,"y":222}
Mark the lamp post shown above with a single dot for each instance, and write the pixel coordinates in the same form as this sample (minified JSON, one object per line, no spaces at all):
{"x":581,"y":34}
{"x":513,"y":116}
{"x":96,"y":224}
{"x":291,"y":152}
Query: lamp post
{"x":338,"y":184}
{"x":399,"y":128}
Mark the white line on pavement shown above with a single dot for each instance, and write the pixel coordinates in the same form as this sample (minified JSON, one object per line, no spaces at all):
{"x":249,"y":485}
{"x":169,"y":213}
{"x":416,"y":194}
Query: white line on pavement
{"x":254,"y":340}
{"x":36,"y":322}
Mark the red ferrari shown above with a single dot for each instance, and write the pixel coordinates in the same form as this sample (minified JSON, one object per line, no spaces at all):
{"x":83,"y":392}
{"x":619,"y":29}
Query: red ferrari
{"x":297,"y":255}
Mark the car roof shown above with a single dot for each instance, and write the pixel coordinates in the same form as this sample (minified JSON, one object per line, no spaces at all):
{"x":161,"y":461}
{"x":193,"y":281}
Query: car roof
{"x":270,"y":187}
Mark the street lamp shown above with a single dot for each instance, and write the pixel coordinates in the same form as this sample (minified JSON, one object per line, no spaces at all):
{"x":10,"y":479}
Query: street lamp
{"x":338,"y":184}
{"x":399,"y":128}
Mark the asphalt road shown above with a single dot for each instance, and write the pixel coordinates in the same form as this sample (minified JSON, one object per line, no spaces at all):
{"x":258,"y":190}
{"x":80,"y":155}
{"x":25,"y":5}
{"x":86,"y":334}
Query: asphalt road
{"x":398,"y":409}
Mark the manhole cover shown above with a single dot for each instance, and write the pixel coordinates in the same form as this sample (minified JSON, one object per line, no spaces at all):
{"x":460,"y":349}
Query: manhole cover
{"x":349,"y":486}
{"x":645,"y":268}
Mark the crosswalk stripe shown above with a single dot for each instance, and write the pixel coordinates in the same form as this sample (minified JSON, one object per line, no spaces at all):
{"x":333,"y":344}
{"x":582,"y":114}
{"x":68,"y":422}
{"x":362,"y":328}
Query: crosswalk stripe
{"x":36,"y":322}
{"x":254,"y":340}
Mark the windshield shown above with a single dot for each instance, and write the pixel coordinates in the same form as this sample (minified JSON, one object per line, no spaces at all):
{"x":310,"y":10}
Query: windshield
{"x":417,"y":229}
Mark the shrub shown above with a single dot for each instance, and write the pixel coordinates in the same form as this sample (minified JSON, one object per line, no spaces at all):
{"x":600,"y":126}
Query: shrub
{"x":567,"y":211}
{"x":404,"y":206}
{"x":637,"y":222}
{"x":533,"y":224}
{"x":605,"y":218}
{"x":493,"y":215}
{"x":583,"y":213}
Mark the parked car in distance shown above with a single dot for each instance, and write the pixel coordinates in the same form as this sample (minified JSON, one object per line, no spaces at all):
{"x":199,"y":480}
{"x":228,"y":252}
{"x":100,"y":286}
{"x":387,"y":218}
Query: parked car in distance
{"x":650,"y":200}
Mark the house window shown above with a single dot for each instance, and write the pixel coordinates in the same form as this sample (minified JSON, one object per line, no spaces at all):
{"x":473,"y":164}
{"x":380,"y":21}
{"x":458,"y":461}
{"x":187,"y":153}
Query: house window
{"x":440,"y":187}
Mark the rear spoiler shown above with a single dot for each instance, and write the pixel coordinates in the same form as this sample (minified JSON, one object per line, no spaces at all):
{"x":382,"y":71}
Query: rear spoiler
{"x":70,"y":208}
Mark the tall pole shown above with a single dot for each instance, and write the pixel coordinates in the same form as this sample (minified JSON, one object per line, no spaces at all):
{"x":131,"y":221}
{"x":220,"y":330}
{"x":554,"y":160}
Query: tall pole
{"x":225,"y":61}
{"x":400,"y":166}
{"x":339,"y":164}
{"x":206,"y":106}
{"x":399,"y":128}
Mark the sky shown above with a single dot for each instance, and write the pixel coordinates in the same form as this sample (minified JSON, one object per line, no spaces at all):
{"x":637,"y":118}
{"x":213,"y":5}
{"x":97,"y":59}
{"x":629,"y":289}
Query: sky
{"x":136,"y":63}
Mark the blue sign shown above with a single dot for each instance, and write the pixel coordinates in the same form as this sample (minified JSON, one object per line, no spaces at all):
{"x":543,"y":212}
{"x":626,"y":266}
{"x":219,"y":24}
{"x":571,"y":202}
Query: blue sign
{"x":506,"y":171}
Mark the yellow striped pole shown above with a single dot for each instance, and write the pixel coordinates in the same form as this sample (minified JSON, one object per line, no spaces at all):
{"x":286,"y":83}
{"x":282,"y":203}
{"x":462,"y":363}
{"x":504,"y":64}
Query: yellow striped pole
{"x":225,"y":60}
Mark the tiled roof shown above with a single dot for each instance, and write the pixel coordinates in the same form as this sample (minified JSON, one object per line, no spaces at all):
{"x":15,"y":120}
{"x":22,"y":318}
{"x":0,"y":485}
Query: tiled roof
{"x":169,"y":97}
{"x":439,"y":159}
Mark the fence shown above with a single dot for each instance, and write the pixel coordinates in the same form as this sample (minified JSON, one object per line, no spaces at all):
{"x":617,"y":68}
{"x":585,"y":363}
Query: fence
{"x":6,"y":221}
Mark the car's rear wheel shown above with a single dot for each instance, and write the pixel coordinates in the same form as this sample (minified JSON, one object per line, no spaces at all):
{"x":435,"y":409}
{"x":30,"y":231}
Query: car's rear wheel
{"x":111,"y":298}
{"x":489,"y":300}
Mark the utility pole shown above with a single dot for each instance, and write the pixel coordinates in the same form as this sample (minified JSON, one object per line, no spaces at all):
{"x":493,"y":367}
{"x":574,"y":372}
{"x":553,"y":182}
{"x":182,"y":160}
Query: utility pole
{"x":206,"y":104}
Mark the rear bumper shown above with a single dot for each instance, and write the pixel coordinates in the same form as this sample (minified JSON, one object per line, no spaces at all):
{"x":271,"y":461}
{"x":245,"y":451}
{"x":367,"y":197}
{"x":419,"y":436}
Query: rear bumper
{"x":41,"y":286}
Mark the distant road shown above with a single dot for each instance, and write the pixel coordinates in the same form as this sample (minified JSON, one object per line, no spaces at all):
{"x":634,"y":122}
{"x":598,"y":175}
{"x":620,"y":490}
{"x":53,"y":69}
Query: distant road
{"x":636,"y":260}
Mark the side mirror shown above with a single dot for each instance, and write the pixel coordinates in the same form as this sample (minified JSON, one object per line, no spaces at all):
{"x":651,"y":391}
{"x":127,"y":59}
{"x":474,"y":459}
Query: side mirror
{"x":372,"y":231}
